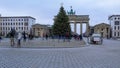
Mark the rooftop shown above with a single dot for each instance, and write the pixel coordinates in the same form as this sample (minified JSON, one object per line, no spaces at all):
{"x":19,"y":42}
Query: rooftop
{"x":16,"y":17}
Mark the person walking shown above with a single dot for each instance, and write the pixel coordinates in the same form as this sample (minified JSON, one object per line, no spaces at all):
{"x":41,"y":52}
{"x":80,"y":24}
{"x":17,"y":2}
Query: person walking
{"x":24,"y":36}
{"x":19,"y":40}
{"x":0,"y":38}
{"x":12,"y":35}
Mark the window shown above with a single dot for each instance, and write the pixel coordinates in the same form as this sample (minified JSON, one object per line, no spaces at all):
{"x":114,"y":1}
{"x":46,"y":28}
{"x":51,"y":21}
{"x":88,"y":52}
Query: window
{"x":22,"y":23}
{"x":118,"y":33}
{"x":118,"y":27}
{"x":8,"y":28}
{"x":16,"y":28}
{"x":26,"y":23}
{"x":102,"y":29}
{"x":19,"y":23}
{"x":116,"y":22}
{"x":22,"y":28}
{"x":115,"y":18}
{"x":24,"y":19}
{"x":38,"y":29}
{"x":16,"y":23}
{"x":115,"y":28}
{"x":114,"y":33}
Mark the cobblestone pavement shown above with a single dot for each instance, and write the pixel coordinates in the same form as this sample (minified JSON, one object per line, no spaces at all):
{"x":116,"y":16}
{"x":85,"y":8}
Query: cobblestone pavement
{"x":93,"y":56}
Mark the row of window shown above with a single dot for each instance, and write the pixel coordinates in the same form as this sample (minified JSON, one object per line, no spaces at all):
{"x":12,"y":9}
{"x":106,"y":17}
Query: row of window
{"x":26,"y":23}
{"x":117,"y":34}
{"x":17,"y":28}
{"x":116,"y":27}
{"x":117,"y":22}
{"x":116,"y":18}
{"x":14,"y":19}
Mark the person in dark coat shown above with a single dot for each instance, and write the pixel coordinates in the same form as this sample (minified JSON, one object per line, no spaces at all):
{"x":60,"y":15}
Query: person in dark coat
{"x":12,"y":35}
{"x":0,"y":38}
{"x":24,"y":36}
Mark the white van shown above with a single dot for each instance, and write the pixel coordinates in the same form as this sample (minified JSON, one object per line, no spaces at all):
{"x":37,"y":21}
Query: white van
{"x":96,"y":39}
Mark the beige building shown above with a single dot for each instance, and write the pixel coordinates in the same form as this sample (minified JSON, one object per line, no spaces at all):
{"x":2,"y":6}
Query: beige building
{"x":103,"y":29}
{"x":40,"y":30}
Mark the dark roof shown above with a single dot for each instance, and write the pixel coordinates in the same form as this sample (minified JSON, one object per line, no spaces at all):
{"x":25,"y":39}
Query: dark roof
{"x":17,"y":17}
{"x":112,"y":16}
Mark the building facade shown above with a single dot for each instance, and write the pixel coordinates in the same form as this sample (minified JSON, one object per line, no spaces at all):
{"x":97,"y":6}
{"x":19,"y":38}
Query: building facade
{"x":104,"y":29}
{"x":19,"y":23}
{"x":40,"y":30}
{"x":114,"y":21}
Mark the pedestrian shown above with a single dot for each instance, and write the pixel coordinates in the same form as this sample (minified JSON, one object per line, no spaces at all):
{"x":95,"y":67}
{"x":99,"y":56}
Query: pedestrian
{"x":80,"y":36}
{"x":19,"y":40}
{"x":46,"y":36}
{"x":0,"y":38}
{"x":24,"y":36}
{"x":12,"y":35}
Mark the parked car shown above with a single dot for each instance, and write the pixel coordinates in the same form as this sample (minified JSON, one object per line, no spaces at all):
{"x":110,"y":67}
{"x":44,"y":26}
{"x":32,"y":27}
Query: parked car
{"x":96,"y":39}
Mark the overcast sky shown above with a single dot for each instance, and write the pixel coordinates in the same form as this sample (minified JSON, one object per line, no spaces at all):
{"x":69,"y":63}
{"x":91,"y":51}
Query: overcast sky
{"x":45,"y":10}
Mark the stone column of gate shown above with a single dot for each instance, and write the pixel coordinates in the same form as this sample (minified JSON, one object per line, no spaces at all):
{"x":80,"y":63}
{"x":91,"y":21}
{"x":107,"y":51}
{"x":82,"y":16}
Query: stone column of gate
{"x":108,"y":32}
{"x":105,"y":33}
{"x":75,"y":27}
{"x":80,"y":28}
{"x":87,"y":28}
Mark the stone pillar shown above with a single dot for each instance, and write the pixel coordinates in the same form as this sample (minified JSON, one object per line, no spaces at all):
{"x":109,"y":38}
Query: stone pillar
{"x":109,"y":32}
{"x":87,"y":27}
{"x":75,"y":27}
{"x":105,"y":33}
{"x":80,"y":28}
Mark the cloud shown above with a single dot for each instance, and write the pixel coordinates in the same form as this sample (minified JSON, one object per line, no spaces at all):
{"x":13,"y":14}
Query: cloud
{"x":45,"y":10}
{"x":108,"y":3}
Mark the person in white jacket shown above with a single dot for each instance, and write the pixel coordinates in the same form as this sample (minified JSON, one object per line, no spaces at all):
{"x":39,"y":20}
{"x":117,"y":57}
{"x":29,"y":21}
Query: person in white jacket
{"x":19,"y":40}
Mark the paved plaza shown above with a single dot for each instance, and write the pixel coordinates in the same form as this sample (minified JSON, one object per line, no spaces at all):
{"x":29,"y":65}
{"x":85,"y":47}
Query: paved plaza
{"x":90,"y":56}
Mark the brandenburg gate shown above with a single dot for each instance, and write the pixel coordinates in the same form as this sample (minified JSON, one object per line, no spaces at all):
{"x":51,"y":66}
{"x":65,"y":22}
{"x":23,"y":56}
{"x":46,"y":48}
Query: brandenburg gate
{"x":78,"y":19}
